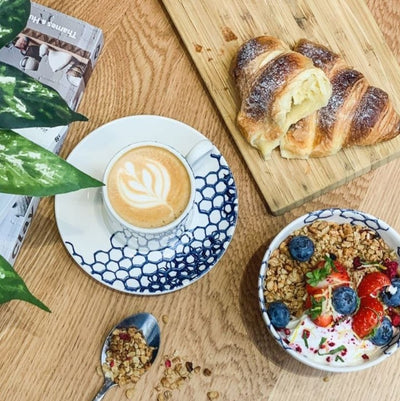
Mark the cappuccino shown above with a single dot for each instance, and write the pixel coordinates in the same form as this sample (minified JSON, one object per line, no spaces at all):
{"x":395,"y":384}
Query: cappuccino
{"x":149,"y":186}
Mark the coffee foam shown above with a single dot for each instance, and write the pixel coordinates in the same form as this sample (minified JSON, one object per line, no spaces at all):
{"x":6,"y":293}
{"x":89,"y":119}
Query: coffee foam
{"x":149,"y":187}
{"x":145,"y":189}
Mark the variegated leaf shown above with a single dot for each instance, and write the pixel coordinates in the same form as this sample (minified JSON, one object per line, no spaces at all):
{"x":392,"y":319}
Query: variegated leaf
{"x":27,"y":103}
{"x":28,"y":169}
{"x":14,"y":15}
{"x":13,"y":287}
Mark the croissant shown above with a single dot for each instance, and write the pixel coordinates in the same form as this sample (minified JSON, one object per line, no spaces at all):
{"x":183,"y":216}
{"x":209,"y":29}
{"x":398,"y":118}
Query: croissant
{"x":356,"y":114}
{"x":277,"y":87}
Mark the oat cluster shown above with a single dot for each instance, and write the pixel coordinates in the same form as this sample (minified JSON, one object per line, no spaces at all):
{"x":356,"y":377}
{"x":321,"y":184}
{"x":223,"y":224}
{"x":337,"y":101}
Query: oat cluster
{"x":128,"y":356}
{"x":285,"y":278}
{"x":177,"y":372}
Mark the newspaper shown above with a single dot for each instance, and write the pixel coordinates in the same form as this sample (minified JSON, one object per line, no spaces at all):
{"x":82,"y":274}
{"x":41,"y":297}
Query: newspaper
{"x":61,"y":52}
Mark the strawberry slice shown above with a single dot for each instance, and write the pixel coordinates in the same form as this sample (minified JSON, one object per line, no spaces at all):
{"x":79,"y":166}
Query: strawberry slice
{"x":317,"y":309}
{"x":328,"y":273}
{"x":372,"y":283}
{"x":311,"y":290}
{"x":374,"y":304}
{"x":339,"y":276}
{"x":364,"y":322}
{"x":323,"y":320}
{"x":368,"y":317}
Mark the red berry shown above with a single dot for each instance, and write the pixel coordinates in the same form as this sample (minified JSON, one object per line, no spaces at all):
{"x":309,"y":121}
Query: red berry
{"x":374,"y":304}
{"x":336,"y":277}
{"x":368,"y":316}
{"x":323,"y":320}
{"x":364,"y":322}
{"x":124,"y":336}
{"x":316,"y":305}
{"x":372,"y":283}
{"x":394,"y":317}
{"x":391,"y":268}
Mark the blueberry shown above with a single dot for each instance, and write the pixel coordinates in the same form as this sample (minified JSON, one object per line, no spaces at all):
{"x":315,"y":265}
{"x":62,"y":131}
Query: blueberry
{"x":301,"y":248}
{"x":391,"y":294}
{"x":279,"y":314}
{"x":344,"y":300}
{"x":384,"y":333}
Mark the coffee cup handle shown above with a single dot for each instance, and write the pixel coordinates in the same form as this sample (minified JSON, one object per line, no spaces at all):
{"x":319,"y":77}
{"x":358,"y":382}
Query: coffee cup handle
{"x":199,"y":151}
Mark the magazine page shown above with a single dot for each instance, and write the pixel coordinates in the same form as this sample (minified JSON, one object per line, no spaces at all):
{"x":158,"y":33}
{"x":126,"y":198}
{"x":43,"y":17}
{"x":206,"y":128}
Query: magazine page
{"x":60,"y":51}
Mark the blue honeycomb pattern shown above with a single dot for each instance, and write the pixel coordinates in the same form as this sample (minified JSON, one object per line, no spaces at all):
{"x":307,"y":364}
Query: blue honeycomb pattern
{"x":188,"y":256}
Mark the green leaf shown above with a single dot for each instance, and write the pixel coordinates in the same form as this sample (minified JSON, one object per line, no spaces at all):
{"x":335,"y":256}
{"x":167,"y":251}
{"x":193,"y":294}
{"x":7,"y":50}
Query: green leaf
{"x":27,"y":103}
{"x":315,"y":309}
{"x":305,"y":336}
{"x":317,"y":275}
{"x":13,"y":287}
{"x":333,"y":351}
{"x":14,"y":15}
{"x":322,"y":342}
{"x":28,"y":169}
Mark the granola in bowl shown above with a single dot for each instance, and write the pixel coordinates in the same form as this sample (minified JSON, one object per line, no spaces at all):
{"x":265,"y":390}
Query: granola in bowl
{"x":346,"y":257}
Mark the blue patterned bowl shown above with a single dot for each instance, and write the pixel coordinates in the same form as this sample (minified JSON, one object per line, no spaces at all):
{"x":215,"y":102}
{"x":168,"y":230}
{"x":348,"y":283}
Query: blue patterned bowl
{"x":293,"y":341}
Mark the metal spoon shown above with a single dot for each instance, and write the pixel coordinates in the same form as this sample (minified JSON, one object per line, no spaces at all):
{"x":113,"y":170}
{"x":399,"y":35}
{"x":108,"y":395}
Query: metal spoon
{"x":144,"y":322}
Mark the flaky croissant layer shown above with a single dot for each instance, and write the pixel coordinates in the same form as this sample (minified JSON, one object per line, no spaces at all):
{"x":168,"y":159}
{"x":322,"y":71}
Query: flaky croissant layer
{"x":307,"y":101}
{"x":278,"y":87}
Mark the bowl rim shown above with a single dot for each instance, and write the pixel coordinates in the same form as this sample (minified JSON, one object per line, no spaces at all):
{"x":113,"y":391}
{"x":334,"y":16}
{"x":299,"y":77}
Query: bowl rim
{"x":307,"y":219}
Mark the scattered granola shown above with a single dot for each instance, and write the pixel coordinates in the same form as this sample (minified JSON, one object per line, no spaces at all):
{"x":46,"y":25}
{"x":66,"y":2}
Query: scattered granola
{"x":213,"y":395}
{"x":285,"y":279}
{"x":130,"y":393}
{"x":166,"y":395}
{"x":128,"y":356}
{"x":164,"y":319}
{"x":99,"y":371}
{"x":177,"y":372}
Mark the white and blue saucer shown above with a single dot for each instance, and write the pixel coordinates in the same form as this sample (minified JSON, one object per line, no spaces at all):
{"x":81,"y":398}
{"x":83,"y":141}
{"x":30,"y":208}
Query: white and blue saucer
{"x":87,"y":237}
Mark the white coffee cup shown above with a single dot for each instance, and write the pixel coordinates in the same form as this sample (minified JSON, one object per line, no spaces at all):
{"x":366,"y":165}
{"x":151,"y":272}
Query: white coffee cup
{"x":149,"y":193}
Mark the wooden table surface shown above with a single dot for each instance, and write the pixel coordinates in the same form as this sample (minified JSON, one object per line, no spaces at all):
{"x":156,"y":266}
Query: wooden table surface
{"x":215,"y":322}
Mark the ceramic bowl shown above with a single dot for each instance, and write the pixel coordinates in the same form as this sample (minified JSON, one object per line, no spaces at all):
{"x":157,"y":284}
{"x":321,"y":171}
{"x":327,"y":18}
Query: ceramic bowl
{"x":304,"y":353}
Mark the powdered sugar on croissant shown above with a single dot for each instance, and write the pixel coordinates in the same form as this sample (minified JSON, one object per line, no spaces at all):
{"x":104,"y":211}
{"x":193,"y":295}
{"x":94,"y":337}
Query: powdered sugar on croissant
{"x":278,"y":87}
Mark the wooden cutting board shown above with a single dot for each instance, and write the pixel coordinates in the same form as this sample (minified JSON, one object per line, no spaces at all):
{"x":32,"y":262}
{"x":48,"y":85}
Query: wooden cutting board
{"x":212,"y":31}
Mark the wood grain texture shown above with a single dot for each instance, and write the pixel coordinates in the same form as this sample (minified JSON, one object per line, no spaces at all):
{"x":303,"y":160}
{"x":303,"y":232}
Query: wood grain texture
{"x":215,"y":322}
{"x":346,"y":27}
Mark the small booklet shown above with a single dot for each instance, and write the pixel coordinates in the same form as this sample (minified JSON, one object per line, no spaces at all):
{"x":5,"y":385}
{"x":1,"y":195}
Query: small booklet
{"x":61,"y":52}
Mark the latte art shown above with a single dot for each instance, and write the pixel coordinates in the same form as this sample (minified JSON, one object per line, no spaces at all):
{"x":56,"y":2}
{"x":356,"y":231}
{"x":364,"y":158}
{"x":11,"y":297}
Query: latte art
{"x":146,"y":188}
{"x":149,"y":186}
